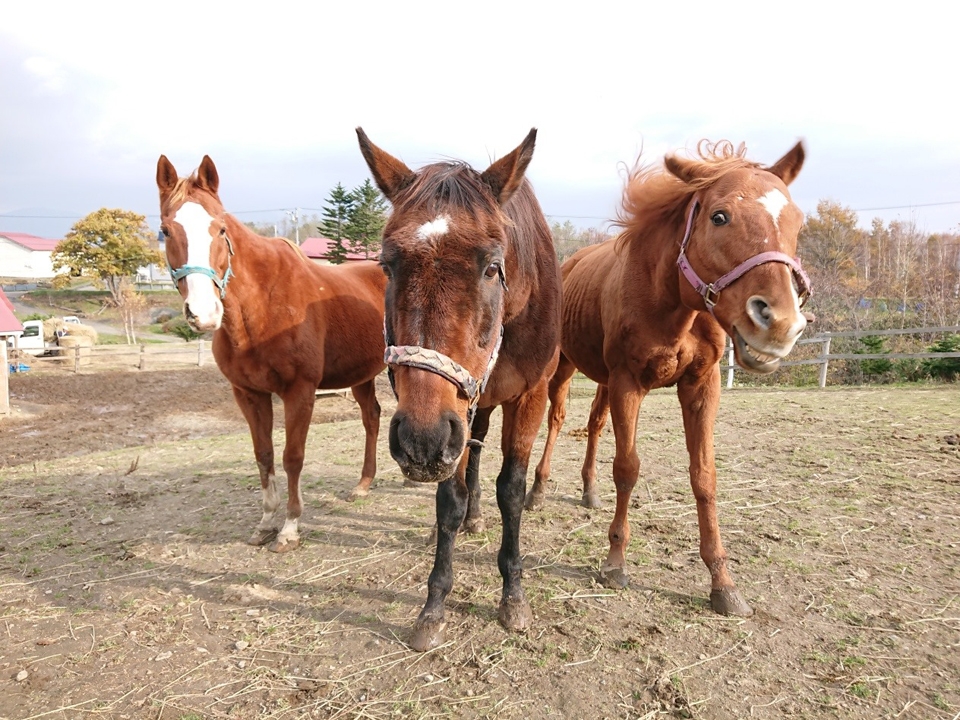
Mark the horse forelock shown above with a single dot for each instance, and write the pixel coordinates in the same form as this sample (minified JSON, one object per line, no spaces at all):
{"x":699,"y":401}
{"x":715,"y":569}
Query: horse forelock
{"x":654,"y":197}
{"x":456,"y":191}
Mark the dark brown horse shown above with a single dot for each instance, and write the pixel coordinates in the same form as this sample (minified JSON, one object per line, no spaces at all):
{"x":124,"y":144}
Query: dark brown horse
{"x":283,"y":325}
{"x":472,"y":322}
{"x":707,"y":250}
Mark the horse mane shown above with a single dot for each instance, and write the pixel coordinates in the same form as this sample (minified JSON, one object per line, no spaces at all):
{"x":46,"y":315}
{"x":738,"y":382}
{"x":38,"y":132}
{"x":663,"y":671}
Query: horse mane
{"x":454,"y":184}
{"x":653,"y":197}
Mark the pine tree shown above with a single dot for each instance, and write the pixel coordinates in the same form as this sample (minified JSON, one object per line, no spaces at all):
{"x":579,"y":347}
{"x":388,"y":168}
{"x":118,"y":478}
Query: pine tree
{"x":368,"y":216}
{"x":336,"y":216}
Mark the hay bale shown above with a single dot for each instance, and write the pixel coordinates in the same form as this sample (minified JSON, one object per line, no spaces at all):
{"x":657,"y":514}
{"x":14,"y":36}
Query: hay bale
{"x":69,"y":342}
{"x":74,"y":330}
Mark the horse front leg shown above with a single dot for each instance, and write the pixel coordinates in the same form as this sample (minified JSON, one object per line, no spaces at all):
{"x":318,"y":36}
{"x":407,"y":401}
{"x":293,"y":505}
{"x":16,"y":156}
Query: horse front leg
{"x":700,"y":398}
{"x":598,"y":418}
{"x":557,"y":392}
{"x":257,"y":409}
{"x":625,"y":397}
{"x":366,"y":396}
{"x":428,"y":630}
{"x":481,"y":423}
{"x":297,"y":410}
{"x":521,"y":421}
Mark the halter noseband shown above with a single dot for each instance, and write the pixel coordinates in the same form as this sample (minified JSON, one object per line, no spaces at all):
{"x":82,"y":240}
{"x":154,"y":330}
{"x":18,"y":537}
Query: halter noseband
{"x":710,"y":292}
{"x":221,"y":283}
{"x":443,"y":365}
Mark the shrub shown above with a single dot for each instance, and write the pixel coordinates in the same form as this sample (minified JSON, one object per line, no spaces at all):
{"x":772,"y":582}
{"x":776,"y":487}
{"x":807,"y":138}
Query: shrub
{"x":943,"y":368}
{"x":873,"y":345}
{"x":180,"y":328}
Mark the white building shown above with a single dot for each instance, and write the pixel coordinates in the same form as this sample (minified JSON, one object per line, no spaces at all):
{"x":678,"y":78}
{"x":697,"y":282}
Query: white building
{"x":26,"y":256}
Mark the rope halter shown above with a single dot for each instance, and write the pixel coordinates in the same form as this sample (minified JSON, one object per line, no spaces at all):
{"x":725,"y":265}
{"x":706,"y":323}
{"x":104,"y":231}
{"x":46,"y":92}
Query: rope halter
{"x":710,"y":292}
{"x":221,"y":283}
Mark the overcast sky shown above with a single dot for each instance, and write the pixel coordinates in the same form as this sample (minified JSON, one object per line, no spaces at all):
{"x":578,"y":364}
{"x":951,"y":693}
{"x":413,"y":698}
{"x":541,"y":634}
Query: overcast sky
{"x":93,"y":93}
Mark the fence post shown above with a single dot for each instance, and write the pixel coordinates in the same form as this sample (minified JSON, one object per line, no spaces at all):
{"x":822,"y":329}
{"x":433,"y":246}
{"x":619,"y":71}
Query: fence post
{"x":76,"y":358}
{"x":824,"y":362}
{"x":143,"y":357}
{"x":4,"y":379}
{"x":730,"y":361}
{"x":200,"y":352}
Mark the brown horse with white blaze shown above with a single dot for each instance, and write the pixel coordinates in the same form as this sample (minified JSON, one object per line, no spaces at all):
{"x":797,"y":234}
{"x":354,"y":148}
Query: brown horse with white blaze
{"x":638,"y":315}
{"x":472,"y":323}
{"x":283,"y":325}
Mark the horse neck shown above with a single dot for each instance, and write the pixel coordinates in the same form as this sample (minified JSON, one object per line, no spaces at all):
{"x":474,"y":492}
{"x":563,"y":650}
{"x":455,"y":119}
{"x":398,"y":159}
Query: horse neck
{"x":242,"y":304}
{"x":651,"y":253}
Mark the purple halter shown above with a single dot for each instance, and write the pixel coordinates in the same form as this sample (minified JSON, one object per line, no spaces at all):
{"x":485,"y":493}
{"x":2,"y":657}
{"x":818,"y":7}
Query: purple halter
{"x":710,"y":292}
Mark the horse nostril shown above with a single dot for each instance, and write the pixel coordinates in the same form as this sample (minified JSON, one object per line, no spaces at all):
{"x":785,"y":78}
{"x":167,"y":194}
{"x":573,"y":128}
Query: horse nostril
{"x":760,"y":311}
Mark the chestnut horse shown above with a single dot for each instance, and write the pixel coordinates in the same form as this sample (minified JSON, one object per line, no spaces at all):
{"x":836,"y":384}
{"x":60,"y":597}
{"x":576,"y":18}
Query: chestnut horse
{"x":283,"y":325}
{"x":638,"y":315}
{"x":461,"y":343}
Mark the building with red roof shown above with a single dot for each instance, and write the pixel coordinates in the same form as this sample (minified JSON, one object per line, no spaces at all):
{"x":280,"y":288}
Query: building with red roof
{"x":26,"y":256}
{"x":318,"y":250}
{"x":9,"y":325}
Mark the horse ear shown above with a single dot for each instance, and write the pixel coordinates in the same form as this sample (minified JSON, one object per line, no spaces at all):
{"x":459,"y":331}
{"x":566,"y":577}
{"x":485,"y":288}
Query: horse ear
{"x":689,"y":171}
{"x":788,"y":167}
{"x":166,"y":175}
{"x":207,"y":176}
{"x":506,"y":174}
{"x":390,"y":174}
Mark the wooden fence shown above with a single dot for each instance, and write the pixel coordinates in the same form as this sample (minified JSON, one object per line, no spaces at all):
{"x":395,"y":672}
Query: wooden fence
{"x":142,"y":356}
{"x":825,"y":356}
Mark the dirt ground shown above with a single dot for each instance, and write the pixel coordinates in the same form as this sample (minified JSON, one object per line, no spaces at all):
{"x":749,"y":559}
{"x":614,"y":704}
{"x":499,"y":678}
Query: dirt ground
{"x":126,"y":589}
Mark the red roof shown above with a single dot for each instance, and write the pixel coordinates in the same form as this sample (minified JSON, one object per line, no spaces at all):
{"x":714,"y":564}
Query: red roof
{"x":31,"y":242}
{"x":319,"y":247}
{"x":8,"y":321}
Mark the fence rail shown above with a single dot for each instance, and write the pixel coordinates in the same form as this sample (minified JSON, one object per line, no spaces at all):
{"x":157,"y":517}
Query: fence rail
{"x":193,"y":353}
{"x":825,"y":356}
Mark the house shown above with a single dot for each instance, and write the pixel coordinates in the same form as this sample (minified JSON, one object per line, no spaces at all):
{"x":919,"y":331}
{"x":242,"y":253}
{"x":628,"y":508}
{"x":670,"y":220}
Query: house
{"x":26,"y":256}
{"x":10,"y":327}
{"x":318,"y":250}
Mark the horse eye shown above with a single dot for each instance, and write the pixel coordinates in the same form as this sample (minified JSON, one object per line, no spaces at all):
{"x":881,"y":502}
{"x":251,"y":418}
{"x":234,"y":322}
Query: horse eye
{"x":386,"y":270}
{"x":719,"y":218}
{"x":492,"y":271}
{"x":164,"y":231}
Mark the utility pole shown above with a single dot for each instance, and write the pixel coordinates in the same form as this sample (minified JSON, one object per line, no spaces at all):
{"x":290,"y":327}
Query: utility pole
{"x":295,"y":216}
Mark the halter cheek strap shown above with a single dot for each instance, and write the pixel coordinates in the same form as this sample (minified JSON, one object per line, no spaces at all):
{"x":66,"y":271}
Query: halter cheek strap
{"x":710,"y":292}
{"x":221,"y":283}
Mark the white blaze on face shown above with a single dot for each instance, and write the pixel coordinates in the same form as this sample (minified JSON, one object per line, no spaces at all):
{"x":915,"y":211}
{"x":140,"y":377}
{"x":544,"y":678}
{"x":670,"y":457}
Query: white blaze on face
{"x":434,"y":228}
{"x":203,"y":297}
{"x":774,"y":202}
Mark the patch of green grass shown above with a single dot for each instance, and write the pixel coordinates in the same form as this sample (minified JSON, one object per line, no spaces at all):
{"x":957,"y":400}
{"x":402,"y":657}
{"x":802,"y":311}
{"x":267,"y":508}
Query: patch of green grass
{"x":861,"y":690}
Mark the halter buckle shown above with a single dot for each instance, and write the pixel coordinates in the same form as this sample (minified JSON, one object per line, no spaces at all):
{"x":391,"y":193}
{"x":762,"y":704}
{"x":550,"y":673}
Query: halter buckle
{"x":711,"y":296}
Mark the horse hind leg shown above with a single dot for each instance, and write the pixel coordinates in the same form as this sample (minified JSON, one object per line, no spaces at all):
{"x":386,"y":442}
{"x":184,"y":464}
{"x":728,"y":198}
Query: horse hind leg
{"x":598,"y":418}
{"x":257,"y":409}
{"x":366,"y":397}
{"x":297,"y":410}
{"x":557,"y":392}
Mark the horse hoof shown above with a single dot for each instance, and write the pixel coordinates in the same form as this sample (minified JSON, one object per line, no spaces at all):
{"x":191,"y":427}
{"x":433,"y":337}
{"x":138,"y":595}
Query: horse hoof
{"x":427,"y":634}
{"x":728,"y":601}
{"x":284,"y":545}
{"x":472,"y":526}
{"x":515,"y":615}
{"x":357,"y":493}
{"x":590,"y":500}
{"x":614,"y":578}
{"x":262,"y":537}
{"x":534,"y":501}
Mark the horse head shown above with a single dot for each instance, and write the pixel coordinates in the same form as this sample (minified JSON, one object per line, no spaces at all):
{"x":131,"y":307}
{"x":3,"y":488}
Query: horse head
{"x":447,"y":255}
{"x":193,"y":221}
{"x":738,"y":253}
